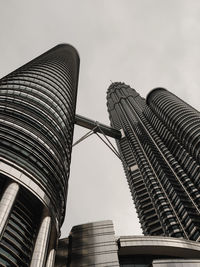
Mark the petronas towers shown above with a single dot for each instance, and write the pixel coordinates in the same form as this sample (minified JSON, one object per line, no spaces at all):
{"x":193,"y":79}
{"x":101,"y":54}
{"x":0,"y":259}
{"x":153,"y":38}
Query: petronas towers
{"x":160,"y":148}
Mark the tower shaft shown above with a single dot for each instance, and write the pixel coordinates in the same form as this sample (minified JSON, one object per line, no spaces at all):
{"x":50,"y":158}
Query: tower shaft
{"x":37,"y":110}
{"x":160,"y":158}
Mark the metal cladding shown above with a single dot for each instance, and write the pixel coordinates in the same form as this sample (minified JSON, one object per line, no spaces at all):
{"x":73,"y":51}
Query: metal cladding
{"x":160,"y":153}
{"x":91,"y":244}
{"x":95,"y":244}
{"x":95,"y":126}
{"x":37,"y":111}
{"x":157,"y":250}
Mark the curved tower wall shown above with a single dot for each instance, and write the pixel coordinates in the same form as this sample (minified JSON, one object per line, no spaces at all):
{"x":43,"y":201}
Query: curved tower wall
{"x":179,"y":117}
{"x":137,"y":168}
{"x":166,"y":197}
{"x":178,"y":125}
{"x":37,"y":109}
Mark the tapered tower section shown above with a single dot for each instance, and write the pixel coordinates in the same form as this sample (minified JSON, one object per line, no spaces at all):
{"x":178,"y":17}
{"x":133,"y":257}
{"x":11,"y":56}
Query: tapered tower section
{"x":37,"y":108}
{"x":160,"y":153}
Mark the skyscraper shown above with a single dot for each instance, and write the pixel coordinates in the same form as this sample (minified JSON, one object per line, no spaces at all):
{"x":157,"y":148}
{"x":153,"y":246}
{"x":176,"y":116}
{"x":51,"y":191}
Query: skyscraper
{"x":160,"y":148}
{"x":37,"y":108}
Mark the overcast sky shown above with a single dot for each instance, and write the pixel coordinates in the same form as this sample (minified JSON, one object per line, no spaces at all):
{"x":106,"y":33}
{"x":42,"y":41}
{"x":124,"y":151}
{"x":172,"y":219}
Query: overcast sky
{"x":144,"y":43}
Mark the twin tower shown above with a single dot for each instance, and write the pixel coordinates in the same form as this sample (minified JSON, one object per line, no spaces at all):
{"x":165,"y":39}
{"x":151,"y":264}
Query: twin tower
{"x":159,"y":147}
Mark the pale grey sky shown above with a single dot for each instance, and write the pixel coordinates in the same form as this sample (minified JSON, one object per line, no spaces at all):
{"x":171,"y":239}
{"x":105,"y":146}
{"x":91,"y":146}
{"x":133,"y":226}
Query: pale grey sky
{"x":145,"y":43}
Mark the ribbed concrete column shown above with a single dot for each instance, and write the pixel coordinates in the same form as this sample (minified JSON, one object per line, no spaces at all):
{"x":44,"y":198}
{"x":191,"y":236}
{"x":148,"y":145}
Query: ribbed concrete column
{"x":41,"y":244}
{"x":51,"y":258}
{"x":6,"y":203}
